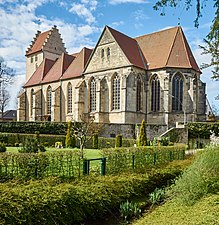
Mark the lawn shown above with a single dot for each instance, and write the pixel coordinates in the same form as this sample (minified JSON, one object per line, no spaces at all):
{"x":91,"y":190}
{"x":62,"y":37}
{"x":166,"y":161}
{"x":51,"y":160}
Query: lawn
{"x":205,"y":211}
{"x":89,"y":153}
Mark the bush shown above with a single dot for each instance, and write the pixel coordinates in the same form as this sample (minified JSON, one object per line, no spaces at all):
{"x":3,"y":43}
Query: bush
{"x":2,"y":147}
{"x":52,"y":201}
{"x":142,"y":139}
{"x":31,"y":145}
{"x":200,"y":178}
{"x":70,"y":141}
{"x":118,"y":141}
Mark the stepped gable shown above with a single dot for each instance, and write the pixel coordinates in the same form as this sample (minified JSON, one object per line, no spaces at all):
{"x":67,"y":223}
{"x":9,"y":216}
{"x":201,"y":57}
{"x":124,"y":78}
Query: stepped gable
{"x":41,"y":39}
{"x":38,"y":42}
{"x":130,"y":48}
{"x":167,"y":48}
{"x":40,"y":73}
{"x":78,"y":65}
{"x":59,"y":68}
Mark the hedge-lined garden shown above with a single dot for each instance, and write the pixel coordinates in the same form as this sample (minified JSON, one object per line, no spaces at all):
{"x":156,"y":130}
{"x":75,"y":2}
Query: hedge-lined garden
{"x":52,"y":201}
{"x":69,"y":164}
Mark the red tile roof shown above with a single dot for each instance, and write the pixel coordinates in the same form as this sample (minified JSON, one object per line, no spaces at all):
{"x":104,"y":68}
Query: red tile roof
{"x":60,"y":66}
{"x":40,"y":73}
{"x":38,"y":43}
{"x":77,"y":66}
{"x":167,"y":48}
{"x":130,"y":48}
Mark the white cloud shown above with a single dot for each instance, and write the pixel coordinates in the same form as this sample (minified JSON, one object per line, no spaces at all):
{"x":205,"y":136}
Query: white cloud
{"x":115,"y":2}
{"x":19,"y":23}
{"x":117,"y":24}
{"x":83,"y":12}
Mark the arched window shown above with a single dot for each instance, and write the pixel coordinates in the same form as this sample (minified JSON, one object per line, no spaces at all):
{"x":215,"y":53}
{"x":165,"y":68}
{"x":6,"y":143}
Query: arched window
{"x":31,"y":101}
{"x":69,"y":94}
{"x":108,"y":53}
{"x":155,"y":94}
{"x":116,"y":93}
{"x":102,"y":53}
{"x":177,"y":92}
{"x":138,"y":94}
{"x":49,"y":100}
{"x":92,"y":95}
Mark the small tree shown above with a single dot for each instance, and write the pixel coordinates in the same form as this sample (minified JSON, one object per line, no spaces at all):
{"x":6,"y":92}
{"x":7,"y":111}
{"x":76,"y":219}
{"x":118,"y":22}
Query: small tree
{"x":85,"y":130}
{"x":142,"y":139}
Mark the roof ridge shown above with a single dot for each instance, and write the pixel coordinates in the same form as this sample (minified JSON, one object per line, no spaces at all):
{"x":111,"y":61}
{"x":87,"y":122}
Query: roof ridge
{"x":163,"y":30}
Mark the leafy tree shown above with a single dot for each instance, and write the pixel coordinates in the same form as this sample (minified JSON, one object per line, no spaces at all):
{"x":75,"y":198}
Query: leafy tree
{"x":142,"y":139}
{"x":6,"y":75}
{"x":212,"y":39}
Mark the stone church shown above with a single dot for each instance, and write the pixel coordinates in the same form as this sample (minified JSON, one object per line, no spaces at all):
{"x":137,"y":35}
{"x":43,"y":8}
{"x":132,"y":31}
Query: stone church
{"x":120,"y":82}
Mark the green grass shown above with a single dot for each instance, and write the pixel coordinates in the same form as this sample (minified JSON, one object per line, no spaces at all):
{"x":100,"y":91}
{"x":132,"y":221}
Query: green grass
{"x":205,"y":211}
{"x":89,"y":153}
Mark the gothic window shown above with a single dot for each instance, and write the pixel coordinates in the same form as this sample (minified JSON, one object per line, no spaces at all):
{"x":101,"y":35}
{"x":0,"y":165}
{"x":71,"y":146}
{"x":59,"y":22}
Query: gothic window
{"x":93,"y":95}
{"x":177,"y":92}
{"x":31,"y":100}
{"x":116,"y":93}
{"x":102,"y":53}
{"x":108,"y":53}
{"x":49,"y":100}
{"x":69,"y":94}
{"x":155,"y":94}
{"x":138,"y":94}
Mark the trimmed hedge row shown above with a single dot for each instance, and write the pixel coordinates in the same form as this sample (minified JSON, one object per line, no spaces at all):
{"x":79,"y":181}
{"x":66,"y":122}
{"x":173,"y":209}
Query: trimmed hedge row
{"x":141,"y":158}
{"x":51,"y":201}
{"x":11,"y":139}
{"x":31,"y":127}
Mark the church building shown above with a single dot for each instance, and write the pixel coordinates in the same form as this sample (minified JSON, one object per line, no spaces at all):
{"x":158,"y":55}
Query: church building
{"x":120,"y":82}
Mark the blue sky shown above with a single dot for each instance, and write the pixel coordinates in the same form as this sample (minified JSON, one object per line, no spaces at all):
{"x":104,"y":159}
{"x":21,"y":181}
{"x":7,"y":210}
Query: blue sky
{"x":81,"y":22}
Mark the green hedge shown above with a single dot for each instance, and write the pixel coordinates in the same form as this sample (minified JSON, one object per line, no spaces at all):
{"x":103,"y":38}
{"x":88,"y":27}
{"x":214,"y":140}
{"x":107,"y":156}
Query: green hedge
{"x":141,"y":158}
{"x":11,"y":139}
{"x":66,"y":164}
{"x":51,"y":201}
{"x":31,"y":127}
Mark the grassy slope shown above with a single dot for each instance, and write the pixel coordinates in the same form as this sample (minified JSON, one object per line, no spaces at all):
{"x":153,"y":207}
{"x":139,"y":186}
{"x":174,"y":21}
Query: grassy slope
{"x":206,"y":211}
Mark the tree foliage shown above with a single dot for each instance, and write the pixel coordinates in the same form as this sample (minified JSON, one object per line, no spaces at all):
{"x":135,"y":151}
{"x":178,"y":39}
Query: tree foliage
{"x":212,"y":39}
{"x":142,"y":140}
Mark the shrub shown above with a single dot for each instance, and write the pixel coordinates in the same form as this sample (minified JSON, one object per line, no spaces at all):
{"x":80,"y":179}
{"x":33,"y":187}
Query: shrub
{"x":31,"y":145}
{"x":118,"y":141}
{"x":2,"y":147}
{"x":142,"y":139}
{"x":52,"y":201}
{"x":70,"y":141}
{"x":95,"y":141}
{"x":200,"y":178}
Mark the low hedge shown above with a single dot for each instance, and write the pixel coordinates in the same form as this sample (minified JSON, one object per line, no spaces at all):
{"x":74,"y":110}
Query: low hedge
{"x":51,"y":201}
{"x":12,"y":139}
